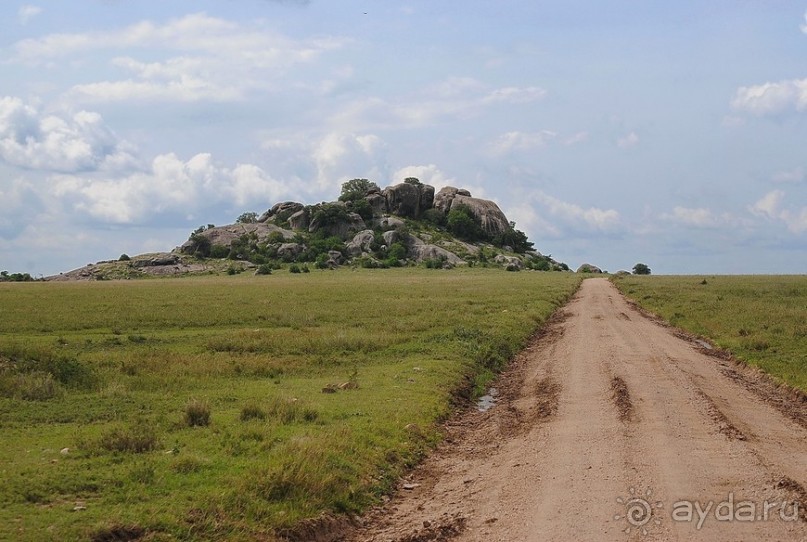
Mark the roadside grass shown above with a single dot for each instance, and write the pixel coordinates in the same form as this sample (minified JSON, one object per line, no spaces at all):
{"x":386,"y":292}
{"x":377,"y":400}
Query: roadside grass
{"x":194,"y":409}
{"x":760,"y":319}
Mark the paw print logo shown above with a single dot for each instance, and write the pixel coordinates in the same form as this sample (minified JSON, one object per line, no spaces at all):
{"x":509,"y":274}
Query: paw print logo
{"x":640,"y":512}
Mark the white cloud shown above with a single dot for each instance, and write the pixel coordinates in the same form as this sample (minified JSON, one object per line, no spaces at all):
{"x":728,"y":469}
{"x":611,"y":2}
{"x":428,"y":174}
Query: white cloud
{"x":574,"y":139}
{"x":772,"y":98}
{"x":429,"y":174}
{"x":592,"y":219}
{"x":770,"y":206}
{"x":196,"y":32}
{"x":628,"y":141}
{"x":218,"y":60}
{"x":804,"y":26}
{"x":701,"y":217}
{"x":27,"y":12}
{"x":527,"y":218}
{"x":70,"y":142}
{"x":521,"y":141}
{"x":455,"y":98}
{"x":173,"y":186}
{"x":340,"y":156}
{"x":514,"y":95}
{"x":797,"y":175}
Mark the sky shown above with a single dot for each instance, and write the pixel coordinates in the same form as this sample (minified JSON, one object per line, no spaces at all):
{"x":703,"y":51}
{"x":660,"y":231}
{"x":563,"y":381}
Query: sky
{"x":668,"y":133}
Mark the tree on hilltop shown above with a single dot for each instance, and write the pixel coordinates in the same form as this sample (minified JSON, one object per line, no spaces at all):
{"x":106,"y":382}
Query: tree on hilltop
{"x":356,"y":189}
{"x":641,"y":269}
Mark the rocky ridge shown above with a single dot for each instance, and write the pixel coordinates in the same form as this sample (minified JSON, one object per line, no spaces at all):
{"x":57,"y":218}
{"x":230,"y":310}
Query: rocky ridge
{"x":404,"y":224}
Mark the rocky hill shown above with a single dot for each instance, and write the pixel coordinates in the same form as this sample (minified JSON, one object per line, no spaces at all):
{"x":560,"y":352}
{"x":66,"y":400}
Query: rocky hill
{"x":401,"y":225}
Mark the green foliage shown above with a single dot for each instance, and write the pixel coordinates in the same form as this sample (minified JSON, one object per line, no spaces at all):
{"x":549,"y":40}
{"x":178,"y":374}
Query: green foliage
{"x":462,"y":224}
{"x":538,"y":262}
{"x":124,"y":258}
{"x":264,"y":269}
{"x":137,"y":438}
{"x":397,"y":251}
{"x":5,"y":276}
{"x":197,"y":413}
{"x":247,"y":218}
{"x":356,"y":189}
{"x":322,"y":261}
{"x":434,"y":263}
{"x":252,"y":411}
{"x":294,"y":268}
{"x":275,"y":237}
{"x":31,"y":386}
{"x":362,"y":208}
{"x":515,"y":239}
{"x":329,"y":214}
{"x":219,"y":251}
{"x":435,"y":217}
{"x":641,"y":269}
{"x":413,"y":181}
{"x":66,"y":370}
{"x":200,"y":246}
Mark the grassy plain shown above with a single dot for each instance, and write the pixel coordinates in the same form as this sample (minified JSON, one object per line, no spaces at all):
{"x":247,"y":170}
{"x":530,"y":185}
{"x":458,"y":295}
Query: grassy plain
{"x":760,"y":319}
{"x":193,"y":409}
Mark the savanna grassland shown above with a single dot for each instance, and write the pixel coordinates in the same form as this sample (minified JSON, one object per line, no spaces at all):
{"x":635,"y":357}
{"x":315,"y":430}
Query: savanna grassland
{"x":760,"y":319}
{"x":194,"y":408}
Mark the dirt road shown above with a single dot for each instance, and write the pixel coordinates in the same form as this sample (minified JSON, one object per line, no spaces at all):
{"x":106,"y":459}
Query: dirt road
{"x":611,"y":426}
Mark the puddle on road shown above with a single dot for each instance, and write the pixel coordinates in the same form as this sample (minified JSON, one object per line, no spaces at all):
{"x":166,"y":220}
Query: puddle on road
{"x":487,"y":401}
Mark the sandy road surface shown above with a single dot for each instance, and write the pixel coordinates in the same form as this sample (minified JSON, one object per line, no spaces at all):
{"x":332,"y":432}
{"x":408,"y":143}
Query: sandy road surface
{"x":608,"y":404}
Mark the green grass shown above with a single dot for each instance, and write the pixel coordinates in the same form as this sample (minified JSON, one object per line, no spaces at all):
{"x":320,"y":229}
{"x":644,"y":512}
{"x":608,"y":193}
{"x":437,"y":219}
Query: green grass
{"x":194,"y":409}
{"x":760,"y":319}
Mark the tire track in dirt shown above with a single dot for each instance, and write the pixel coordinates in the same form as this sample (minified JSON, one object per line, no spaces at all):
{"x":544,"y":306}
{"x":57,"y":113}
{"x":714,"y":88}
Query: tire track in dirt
{"x":605,"y":424}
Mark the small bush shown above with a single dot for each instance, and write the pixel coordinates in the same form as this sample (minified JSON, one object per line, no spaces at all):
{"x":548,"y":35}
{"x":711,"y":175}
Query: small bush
{"x":290,"y":411}
{"x":124,"y":258}
{"x":294,"y":268}
{"x":34,"y":386}
{"x":188,"y":465}
{"x":219,"y":251}
{"x":264,"y":269}
{"x":197,"y":413}
{"x":252,"y":411}
{"x":138,"y":438}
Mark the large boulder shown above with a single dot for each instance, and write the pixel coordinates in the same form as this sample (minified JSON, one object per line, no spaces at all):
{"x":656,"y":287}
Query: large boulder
{"x":343,"y":226}
{"x":490,"y":217}
{"x":282,"y":210}
{"x":588,"y":268}
{"x":510,"y":262}
{"x":421,"y":252}
{"x":225,"y":235}
{"x":289,"y":251}
{"x":408,"y":200}
{"x":492,"y":220}
{"x":299,"y":220}
{"x":392,"y":236}
{"x":362,"y":242}
{"x":388,"y":222}
{"x":445,"y":197}
{"x":162,"y":258}
{"x":377,"y":202}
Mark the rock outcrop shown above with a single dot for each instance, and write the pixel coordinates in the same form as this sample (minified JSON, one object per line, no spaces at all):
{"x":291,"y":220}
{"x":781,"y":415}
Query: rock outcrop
{"x":362,"y":242}
{"x":408,"y":200}
{"x":225,"y":235}
{"x":490,"y":217}
{"x":588,"y":268}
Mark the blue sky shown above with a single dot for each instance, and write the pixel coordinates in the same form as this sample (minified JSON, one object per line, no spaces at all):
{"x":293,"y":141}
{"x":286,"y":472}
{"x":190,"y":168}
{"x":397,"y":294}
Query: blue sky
{"x":671,"y":133}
